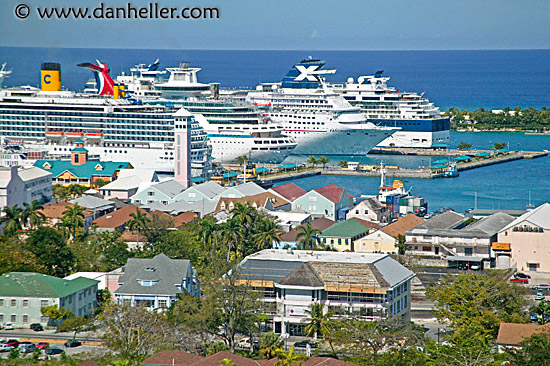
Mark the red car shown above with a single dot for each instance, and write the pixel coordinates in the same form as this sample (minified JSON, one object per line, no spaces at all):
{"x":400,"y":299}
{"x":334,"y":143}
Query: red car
{"x":519,"y":280}
{"x":12,"y":343}
{"x":42,"y":345}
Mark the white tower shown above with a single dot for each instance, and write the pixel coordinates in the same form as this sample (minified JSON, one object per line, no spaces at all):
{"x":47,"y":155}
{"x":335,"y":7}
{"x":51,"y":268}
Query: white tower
{"x":182,"y":135}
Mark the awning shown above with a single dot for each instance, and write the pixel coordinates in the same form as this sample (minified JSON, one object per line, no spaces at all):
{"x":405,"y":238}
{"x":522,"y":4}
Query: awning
{"x":262,"y":170}
{"x":458,"y":258}
{"x":287,"y":166}
{"x":438,"y":166}
{"x":230,"y":175}
{"x":198,"y":179}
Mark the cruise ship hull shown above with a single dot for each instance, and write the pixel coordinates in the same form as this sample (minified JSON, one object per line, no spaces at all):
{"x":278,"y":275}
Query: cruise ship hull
{"x":416,"y":133}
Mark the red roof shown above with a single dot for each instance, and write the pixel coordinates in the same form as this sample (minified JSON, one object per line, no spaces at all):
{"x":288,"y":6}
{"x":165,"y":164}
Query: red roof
{"x":116,"y":218}
{"x":320,"y":224}
{"x":332,"y":192}
{"x":289,"y":191}
{"x":172,"y":358}
{"x":367,"y":224}
{"x":214,"y":360}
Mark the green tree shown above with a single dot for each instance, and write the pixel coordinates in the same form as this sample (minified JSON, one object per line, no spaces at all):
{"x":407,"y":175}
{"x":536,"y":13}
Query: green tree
{"x":51,"y":251}
{"x":232,"y":234}
{"x":98,"y":183}
{"x":56,"y":314}
{"x":32,"y":214}
{"x":464,"y":146}
{"x":323,"y":160}
{"x":312,"y":161}
{"x":138,"y":222}
{"x":289,"y":358}
{"x":307,"y":236}
{"x":73,"y":217}
{"x":266,"y":234}
{"x":543,"y":309}
{"x":318,"y":322}
{"x":60,"y":192}
{"x":76,"y":190}
{"x":532,"y":351}
{"x":227,"y":362}
{"x":12,"y":219}
{"x":74,"y":324}
{"x":157,"y":227}
{"x":15,"y":257}
{"x":477,"y":300}
{"x":499,"y":145}
{"x":401,"y":245}
{"x":269,"y":344}
{"x":343,"y":163}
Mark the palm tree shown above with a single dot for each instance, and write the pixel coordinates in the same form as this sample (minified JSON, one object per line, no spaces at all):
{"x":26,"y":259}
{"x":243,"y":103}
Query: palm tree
{"x":73,"y":217}
{"x":289,"y":359}
{"x":227,"y":362}
{"x":138,"y":222}
{"x":312,"y":160}
{"x":242,"y":213}
{"x":267,"y":234}
{"x":76,"y":190}
{"x":12,"y":217}
{"x":307,"y":236}
{"x":232,"y":233}
{"x":269,"y":344}
{"x":33,"y":214}
{"x":319,"y":323}
{"x":323,"y":160}
{"x":207,"y":232}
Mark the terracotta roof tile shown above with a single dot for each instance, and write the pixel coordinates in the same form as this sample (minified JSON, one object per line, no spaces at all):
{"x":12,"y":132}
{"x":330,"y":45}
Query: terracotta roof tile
{"x":184,"y":218}
{"x":289,"y":191}
{"x":320,"y":224}
{"x":258,"y":200}
{"x":514,"y":333}
{"x":175,"y":358}
{"x":366,"y":223}
{"x":116,"y":218}
{"x":403,"y":224}
{"x":214,"y":360}
{"x":55,"y":210}
{"x":331,"y":192}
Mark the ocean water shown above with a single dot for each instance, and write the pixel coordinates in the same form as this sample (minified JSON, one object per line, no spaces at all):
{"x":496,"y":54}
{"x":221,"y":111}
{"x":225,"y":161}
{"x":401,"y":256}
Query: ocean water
{"x":502,"y":186}
{"x":463,"y":79}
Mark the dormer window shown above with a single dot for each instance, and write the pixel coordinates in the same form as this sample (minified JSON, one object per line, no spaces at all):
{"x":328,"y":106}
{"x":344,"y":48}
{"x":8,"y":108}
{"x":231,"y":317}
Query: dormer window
{"x":99,"y":167}
{"x":150,"y":269}
{"x":47,"y":166}
{"x":147,"y":283}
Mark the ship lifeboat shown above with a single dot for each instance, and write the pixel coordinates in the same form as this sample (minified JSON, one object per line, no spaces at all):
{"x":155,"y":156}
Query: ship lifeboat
{"x":95,"y":135}
{"x":74,"y":135}
{"x":54,"y":134}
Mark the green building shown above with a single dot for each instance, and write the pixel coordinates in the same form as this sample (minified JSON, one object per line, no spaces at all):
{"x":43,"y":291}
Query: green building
{"x":23,"y":294}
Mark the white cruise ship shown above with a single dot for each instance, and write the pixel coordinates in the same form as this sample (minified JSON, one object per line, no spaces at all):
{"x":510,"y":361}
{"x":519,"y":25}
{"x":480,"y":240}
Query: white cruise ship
{"x":422,"y":124}
{"x":320,"y":120}
{"x":234,"y":128}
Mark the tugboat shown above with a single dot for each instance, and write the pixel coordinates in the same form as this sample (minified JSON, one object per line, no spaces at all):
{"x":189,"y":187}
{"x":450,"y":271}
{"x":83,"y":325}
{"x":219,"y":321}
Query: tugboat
{"x":451,"y":171}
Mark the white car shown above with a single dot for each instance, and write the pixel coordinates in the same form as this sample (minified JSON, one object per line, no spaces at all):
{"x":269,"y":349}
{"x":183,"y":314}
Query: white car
{"x":8,"y":326}
{"x":539,"y":296}
{"x":4,"y":348}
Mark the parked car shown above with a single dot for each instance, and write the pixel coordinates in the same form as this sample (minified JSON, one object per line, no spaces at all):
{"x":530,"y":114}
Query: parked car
{"x":42,"y":345}
{"x":53,"y":351}
{"x":519,"y":280}
{"x":245,"y":343}
{"x":542,"y":287}
{"x":27,"y":348}
{"x":304,"y":343}
{"x":533,"y":317}
{"x":37,"y":327}
{"x":12,"y":343}
{"x":475,"y":267}
{"x":72,"y":343}
{"x":5,"y":348}
{"x":539,"y":296}
{"x":8,"y":326}
{"x":521,"y":275}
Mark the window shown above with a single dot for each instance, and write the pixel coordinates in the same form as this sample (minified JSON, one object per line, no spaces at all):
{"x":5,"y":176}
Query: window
{"x":13,"y":303}
{"x":127,"y":302}
{"x":1,"y":302}
{"x":44,"y":319}
{"x":25,"y":318}
{"x":150,"y":193}
{"x":163,"y":303}
{"x":25,"y":303}
{"x":14,"y":318}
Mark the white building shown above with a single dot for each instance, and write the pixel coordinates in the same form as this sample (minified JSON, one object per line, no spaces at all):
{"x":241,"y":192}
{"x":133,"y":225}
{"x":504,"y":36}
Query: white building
{"x":18,"y":186}
{"x":370,"y":286}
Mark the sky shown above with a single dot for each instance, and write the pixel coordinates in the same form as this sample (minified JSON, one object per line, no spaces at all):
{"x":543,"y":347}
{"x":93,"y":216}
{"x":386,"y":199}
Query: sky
{"x":291,"y":25}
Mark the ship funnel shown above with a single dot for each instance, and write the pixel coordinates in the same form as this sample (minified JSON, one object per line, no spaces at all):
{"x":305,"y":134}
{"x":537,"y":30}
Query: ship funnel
{"x":215,"y":90}
{"x":50,"y":76}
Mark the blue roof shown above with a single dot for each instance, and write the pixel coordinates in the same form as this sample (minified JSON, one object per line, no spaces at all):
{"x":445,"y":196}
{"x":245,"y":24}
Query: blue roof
{"x":86,"y":170}
{"x":230,"y":175}
{"x":438,"y":166}
{"x":502,"y":150}
{"x":79,"y":150}
{"x":461,"y":158}
{"x":484,"y":153}
{"x":262,"y":170}
{"x":440,"y":145}
{"x":197,"y":179}
{"x":286,"y":166}
{"x":440,"y":162}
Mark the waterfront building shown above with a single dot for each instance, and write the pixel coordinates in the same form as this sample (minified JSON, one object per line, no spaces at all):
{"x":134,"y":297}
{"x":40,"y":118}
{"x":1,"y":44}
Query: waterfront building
{"x":156,"y":282}
{"x":19,"y":186}
{"x":81,"y":170}
{"x":371,"y":286}
{"x":343,"y":235}
{"x":328,"y":201}
{"x":23,"y":294}
{"x":525,"y":242}
{"x":371,"y":210}
{"x":385,"y":239}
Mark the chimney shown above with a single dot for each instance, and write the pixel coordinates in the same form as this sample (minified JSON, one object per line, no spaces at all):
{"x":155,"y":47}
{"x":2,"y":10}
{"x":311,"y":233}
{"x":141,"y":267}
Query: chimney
{"x":50,"y":76}
{"x":182,"y":135}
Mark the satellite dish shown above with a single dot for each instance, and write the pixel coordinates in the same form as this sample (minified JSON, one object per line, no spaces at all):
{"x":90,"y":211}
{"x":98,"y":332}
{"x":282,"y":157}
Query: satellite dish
{"x":360,"y":79}
{"x":350,"y":80}
{"x":274,"y":87}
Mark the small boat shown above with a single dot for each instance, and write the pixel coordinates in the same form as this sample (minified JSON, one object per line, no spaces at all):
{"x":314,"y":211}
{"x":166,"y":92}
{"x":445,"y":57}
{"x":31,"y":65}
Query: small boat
{"x":74,"y":134}
{"x":451,"y":171}
{"x":94,"y":135}
{"x":54,"y":133}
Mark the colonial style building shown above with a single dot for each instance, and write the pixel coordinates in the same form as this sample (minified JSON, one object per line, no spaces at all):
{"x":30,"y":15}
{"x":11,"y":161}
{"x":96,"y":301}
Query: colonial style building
{"x":371,"y":286}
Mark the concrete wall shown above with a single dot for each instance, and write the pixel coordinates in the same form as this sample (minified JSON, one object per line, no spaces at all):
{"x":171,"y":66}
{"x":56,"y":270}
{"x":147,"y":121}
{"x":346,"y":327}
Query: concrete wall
{"x":530,"y":250}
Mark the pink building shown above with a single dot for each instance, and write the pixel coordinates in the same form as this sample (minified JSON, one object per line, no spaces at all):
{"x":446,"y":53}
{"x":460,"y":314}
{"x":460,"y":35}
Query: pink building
{"x":182,"y":134}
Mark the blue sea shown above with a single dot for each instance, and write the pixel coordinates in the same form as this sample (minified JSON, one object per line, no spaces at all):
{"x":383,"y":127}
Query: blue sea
{"x":463,"y":79}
